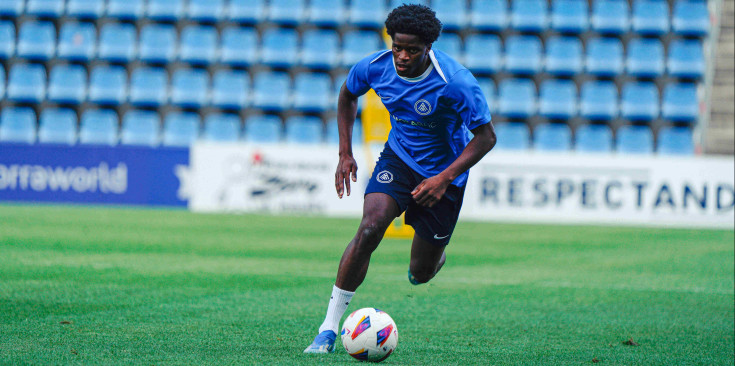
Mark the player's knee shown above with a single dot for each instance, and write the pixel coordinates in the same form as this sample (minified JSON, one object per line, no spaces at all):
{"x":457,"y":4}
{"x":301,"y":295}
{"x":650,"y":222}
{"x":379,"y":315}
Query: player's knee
{"x":420,"y":274}
{"x":369,"y":236}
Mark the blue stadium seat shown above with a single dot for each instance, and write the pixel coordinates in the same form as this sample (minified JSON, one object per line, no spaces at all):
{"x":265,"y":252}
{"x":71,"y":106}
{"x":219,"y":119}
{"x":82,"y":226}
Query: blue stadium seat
{"x":222,"y":127}
{"x":312,"y":92}
{"x":686,"y":59}
{"x":247,"y":11}
{"x":645,"y":58}
{"x":117,"y":42}
{"x":570,"y":16}
{"x":12,"y":8}
{"x":45,"y":8}
{"x":483,"y":53}
{"x":157,"y":43}
{"x":512,"y":136}
{"x":523,"y":55}
{"x":489,"y":15}
{"x":675,"y":141}
{"x":367,"y":13}
{"x":206,"y":10}
{"x":286,"y":12}
{"x":2,"y":82}
{"x":36,"y":40}
{"x":564,"y":56}
{"x":680,"y":102}
{"x":198,"y":45}
{"x":271,"y":90}
{"x":304,"y":130}
{"x":98,"y":127}
{"x":7,"y":39}
{"x":599,"y":100}
{"x":358,"y":44}
{"x":85,"y":9}
{"x":452,"y":13}
{"x":639,"y":101}
{"x":650,"y":17}
{"x":690,"y":18}
{"x":125,"y":9}
{"x":26,"y":83}
{"x":180,"y":129}
{"x":326,"y":13}
{"x":333,"y":132}
{"x":594,"y":138}
{"x":396,"y":3}
{"x":108,"y":85}
{"x":189,"y":88}
{"x":528,"y":15}
{"x":280,"y":47}
{"x":487,"y":85}
{"x":165,"y":10}
{"x":18,"y":124}
{"x":516,"y":98}
{"x":239,"y":46}
{"x":558,"y":99}
{"x":230,"y":89}
{"x":264,"y":128}
{"x":610,"y":16}
{"x":605,"y":57}
{"x":140,"y":127}
{"x":552,"y":137}
{"x":451,"y":44}
{"x":67,"y":84}
{"x":148,"y":86}
{"x":77,"y":41}
{"x":634,"y":139}
{"x":320,"y":49}
{"x":57,"y":126}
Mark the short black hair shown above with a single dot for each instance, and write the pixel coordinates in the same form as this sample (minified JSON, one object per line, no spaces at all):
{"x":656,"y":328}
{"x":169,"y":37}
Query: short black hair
{"x":415,"y":19}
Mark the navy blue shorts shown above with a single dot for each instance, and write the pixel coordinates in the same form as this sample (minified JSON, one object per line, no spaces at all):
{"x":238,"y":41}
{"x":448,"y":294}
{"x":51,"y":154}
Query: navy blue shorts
{"x":393,"y":177}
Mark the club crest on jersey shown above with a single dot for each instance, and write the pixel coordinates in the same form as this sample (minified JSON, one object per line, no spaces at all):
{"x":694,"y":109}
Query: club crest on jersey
{"x":385,"y":177}
{"x":422,"y":107}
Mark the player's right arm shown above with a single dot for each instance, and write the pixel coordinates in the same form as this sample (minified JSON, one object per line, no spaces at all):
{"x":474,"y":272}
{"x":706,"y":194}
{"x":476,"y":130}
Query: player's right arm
{"x":347,"y":166}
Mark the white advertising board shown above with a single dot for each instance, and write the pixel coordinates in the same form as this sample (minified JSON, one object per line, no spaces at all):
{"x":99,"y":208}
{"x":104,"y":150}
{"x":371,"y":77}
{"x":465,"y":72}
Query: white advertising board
{"x":519,"y":187}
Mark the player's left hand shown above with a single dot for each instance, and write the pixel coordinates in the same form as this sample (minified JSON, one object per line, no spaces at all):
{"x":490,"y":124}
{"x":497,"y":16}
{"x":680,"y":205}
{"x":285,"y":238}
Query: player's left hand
{"x":430,"y":191}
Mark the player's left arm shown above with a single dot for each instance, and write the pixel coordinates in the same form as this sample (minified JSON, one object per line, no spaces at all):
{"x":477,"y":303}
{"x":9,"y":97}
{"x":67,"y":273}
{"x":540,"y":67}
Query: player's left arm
{"x":431,"y":190}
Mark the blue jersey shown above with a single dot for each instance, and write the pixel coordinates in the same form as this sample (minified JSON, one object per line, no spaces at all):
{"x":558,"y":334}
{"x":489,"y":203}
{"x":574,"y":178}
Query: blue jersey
{"x":430,"y":115}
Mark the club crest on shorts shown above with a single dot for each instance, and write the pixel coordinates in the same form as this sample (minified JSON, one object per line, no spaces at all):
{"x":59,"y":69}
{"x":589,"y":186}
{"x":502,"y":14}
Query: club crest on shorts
{"x":385,"y":177}
{"x":422,"y":107}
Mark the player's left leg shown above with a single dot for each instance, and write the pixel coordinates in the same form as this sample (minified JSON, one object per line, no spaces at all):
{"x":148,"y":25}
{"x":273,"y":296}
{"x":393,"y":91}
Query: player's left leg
{"x":426,"y":260}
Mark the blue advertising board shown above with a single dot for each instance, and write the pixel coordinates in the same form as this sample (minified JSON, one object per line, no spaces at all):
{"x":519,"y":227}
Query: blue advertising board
{"x":127,"y":175}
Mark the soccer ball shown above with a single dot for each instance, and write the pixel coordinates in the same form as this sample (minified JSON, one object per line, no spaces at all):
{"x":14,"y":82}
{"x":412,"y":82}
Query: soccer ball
{"x":369,"y":334}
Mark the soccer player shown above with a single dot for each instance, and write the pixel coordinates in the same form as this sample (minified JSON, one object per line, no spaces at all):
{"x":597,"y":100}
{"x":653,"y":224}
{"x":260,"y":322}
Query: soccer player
{"x":433,"y":102}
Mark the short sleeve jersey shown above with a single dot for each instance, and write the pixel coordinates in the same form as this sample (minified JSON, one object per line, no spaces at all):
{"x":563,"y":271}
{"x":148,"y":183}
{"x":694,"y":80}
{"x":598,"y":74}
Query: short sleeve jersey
{"x":431,"y":115}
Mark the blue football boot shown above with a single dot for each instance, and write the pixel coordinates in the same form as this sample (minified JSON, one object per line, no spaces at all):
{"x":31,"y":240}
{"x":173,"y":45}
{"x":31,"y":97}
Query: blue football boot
{"x":323,"y":343}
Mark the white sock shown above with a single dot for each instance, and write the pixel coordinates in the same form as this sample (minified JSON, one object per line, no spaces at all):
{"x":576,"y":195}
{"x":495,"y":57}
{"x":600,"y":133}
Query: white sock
{"x":337,"y":306}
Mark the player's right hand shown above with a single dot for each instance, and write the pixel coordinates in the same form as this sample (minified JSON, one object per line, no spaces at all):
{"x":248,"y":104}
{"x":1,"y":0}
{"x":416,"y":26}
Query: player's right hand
{"x":346,"y":170}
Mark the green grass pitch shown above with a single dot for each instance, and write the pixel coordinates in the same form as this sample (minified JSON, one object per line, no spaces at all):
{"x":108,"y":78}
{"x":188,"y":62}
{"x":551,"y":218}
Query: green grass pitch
{"x":121,"y":286}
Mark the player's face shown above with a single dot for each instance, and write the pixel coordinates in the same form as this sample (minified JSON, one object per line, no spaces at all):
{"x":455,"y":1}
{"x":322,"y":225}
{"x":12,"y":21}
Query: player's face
{"x":410,"y":55}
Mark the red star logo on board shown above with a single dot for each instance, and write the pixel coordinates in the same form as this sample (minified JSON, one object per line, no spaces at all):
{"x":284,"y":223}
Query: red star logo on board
{"x":257,"y":158}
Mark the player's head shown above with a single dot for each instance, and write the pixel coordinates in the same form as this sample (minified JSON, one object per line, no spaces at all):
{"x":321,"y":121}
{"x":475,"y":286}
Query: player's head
{"x":413,"y":28}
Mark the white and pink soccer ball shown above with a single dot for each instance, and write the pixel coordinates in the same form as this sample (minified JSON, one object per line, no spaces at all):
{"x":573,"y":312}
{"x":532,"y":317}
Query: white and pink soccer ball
{"x":369,"y":334}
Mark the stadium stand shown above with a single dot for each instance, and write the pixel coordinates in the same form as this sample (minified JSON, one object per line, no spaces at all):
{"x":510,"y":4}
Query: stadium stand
{"x":201,"y":55}
{"x":221,"y":127}
{"x":512,"y":136}
{"x":57,"y":126}
{"x":18,"y":124}
{"x":99,"y":127}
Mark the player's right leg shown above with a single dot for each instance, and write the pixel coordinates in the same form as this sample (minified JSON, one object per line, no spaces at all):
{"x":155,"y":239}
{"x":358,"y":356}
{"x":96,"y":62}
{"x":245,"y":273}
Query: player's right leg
{"x":379,"y":210}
